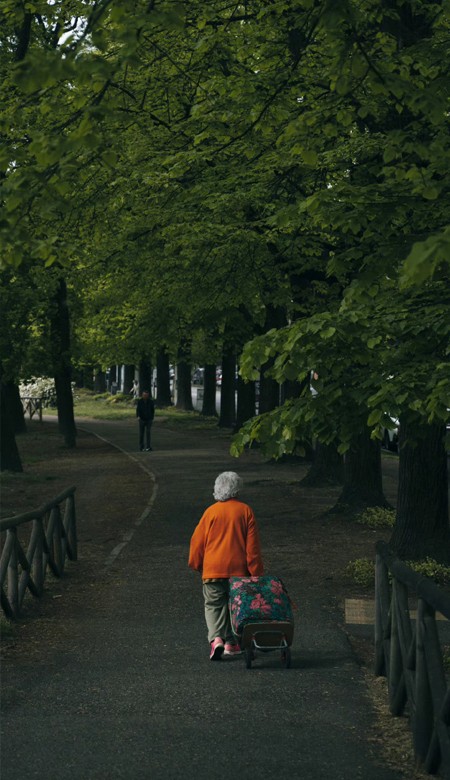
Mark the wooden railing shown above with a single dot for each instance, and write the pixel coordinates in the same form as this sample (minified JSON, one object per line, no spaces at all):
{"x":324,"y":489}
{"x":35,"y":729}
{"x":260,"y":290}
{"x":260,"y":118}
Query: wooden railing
{"x":32,"y":406}
{"x":408,"y":651}
{"x":51,"y":537}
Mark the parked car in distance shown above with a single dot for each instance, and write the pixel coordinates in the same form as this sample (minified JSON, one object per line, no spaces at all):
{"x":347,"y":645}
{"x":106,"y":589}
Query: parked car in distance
{"x":197,"y":376}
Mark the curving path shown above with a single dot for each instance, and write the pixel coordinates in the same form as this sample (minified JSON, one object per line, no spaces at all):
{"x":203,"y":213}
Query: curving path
{"x":129,"y":692}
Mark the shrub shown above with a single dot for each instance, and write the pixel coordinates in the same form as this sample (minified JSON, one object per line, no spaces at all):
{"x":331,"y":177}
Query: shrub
{"x":377,"y":517}
{"x":361,"y":571}
{"x":446,"y":659}
{"x":432,"y":569}
{"x":118,"y":398}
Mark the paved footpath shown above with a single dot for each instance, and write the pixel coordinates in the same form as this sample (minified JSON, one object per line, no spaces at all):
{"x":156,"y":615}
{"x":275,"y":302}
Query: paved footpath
{"x":131,"y":692}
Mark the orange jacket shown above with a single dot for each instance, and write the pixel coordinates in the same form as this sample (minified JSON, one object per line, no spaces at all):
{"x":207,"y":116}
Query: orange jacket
{"x":226,"y":542}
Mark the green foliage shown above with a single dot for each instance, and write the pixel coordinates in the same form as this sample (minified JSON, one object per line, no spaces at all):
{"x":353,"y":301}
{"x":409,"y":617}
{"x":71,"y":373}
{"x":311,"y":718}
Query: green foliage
{"x":446,"y":658}
{"x":119,"y":398}
{"x":377,"y":517}
{"x":361,"y":571}
{"x":295,"y":155}
{"x":432,"y":569}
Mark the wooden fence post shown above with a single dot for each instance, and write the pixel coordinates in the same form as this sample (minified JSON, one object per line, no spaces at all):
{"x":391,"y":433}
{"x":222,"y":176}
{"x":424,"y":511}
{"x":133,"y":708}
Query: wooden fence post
{"x":48,"y":544}
{"x":422,"y":725}
{"x":13,"y":575}
{"x":382,"y":599}
{"x":397,"y":688}
{"x":37,"y":567}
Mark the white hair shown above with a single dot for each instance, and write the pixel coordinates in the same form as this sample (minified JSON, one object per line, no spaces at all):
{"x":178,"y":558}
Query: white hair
{"x":227,"y":485}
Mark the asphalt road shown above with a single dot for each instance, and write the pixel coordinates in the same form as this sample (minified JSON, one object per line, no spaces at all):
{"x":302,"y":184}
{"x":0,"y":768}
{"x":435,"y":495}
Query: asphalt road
{"x":133,"y":695}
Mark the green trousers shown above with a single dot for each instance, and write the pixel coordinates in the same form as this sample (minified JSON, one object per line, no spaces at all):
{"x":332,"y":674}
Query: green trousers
{"x":217,"y":614}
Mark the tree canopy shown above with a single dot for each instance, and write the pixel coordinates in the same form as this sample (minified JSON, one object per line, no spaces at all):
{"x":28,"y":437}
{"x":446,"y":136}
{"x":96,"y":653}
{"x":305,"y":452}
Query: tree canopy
{"x":190,"y":166}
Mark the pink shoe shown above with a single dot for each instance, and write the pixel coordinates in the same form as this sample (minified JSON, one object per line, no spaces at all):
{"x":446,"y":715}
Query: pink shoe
{"x":217,"y":649}
{"x":231,"y":649}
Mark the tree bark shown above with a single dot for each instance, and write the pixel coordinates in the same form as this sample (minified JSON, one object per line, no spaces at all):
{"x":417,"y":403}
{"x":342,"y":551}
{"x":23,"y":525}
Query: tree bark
{"x":99,"y":381}
{"x":83,"y":377}
{"x":422,"y":521}
{"x":363,"y":485}
{"x":227,"y":415}
{"x":128,"y":376}
{"x":145,"y":375}
{"x":184,"y":377}
{"x":9,"y":453}
{"x":209,"y":391}
{"x":269,"y":389}
{"x":246,"y":402}
{"x":327,"y":467}
{"x":14,"y":406}
{"x":62,"y":367}
{"x":163,"y":394}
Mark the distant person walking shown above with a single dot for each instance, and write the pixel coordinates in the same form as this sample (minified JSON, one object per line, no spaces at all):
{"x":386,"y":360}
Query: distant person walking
{"x":135,"y":389}
{"x":145,"y":412}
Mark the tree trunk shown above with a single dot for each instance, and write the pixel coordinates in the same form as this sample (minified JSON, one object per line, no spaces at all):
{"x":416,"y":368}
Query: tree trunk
{"x":184,"y":390}
{"x":14,"y":406}
{"x":422,"y":521}
{"x":184,"y":377}
{"x":363,"y":484}
{"x":83,"y":377}
{"x":227,"y":415}
{"x":9,"y":454}
{"x":269,"y":389}
{"x":327,"y":467}
{"x":163,"y":394}
{"x":145,"y":375}
{"x":246,"y":402}
{"x":61,"y":356}
{"x":128,"y":376}
{"x":209,"y":391}
{"x":291,"y":389}
{"x":99,"y":381}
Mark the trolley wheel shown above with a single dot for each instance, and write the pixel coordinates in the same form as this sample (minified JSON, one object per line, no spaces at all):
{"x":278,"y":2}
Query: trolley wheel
{"x":286,"y":657}
{"x":248,"y":657}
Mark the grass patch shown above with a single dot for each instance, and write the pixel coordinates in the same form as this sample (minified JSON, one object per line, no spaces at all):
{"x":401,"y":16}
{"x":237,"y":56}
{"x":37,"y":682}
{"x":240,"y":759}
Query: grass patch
{"x":187,"y":420}
{"x":100,"y":406}
{"x":104,"y":406}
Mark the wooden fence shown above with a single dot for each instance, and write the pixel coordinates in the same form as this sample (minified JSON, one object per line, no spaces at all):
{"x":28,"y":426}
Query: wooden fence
{"x":51,"y":538}
{"x":32,"y":406}
{"x":408,"y":651}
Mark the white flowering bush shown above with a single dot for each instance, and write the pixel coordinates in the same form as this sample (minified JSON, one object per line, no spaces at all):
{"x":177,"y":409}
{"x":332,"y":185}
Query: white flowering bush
{"x":40,"y":387}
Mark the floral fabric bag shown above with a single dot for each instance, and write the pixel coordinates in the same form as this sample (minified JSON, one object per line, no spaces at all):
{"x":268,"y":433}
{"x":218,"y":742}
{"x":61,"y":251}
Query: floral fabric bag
{"x":256,"y":599}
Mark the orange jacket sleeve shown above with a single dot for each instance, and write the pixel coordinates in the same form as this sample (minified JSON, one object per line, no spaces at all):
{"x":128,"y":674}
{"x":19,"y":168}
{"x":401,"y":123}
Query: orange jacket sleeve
{"x":197,"y":547}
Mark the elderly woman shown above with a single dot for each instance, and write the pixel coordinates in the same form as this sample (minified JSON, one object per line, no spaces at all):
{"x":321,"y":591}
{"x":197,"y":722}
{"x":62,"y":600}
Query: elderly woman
{"x":224,"y":544}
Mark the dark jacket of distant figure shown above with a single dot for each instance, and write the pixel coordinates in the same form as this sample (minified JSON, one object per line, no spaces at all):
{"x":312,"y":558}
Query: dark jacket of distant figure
{"x":145,"y":409}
